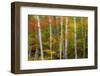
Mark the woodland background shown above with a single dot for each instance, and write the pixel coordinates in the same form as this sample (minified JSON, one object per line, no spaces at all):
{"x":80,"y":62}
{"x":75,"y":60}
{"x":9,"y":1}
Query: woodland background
{"x":57,"y":37}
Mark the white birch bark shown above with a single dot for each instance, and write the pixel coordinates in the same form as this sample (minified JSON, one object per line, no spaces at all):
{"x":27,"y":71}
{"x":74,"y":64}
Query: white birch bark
{"x":40,"y":38}
{"x":37,"y":38}
{"x":50,"y":36}
{"x":61,"y":37}
{"x":66,"y":34}
{"x":75,"y":43}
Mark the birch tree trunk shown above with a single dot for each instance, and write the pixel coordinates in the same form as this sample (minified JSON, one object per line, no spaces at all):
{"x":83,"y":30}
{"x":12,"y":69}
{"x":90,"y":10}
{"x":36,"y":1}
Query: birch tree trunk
{"x":66,"y":34}
{"x":37,"y":38}
{"x":40,"y":38}
{"x":50,"y":36}
{"x":61,"y":37}
{"x":75,"y":43}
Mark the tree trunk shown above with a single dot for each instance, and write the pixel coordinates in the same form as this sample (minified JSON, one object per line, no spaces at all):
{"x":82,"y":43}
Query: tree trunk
{"x":66,"y":34}
{"x":75,"y":42}
{"x":37,"y":39}
{"x":50,"y":36}
{"x":40,"y":38}
{"x":61,"y":37}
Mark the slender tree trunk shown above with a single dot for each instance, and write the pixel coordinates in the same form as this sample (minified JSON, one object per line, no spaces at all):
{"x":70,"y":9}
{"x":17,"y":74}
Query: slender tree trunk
{"x":40,"y":38}
{"x":50,"y":36}
{"x":37,"y":38}
{"x":61,"y":37}
{"x":75,"y":42}
{"x":66,"y":34}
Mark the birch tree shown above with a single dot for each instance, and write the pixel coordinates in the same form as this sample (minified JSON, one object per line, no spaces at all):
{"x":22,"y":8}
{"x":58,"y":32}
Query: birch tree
{"x":37,"y":38}
{"x":61,"y":36}
{"x":66,"y":34}
{"x":83,"y":37}
{"x":50,"y":36}
{"x":40,"y":38}
{"x":75,"y":42}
